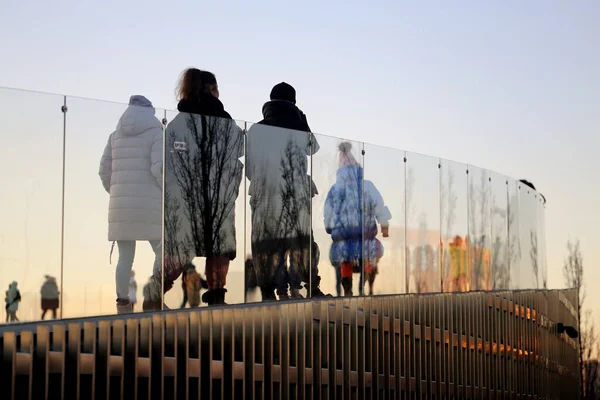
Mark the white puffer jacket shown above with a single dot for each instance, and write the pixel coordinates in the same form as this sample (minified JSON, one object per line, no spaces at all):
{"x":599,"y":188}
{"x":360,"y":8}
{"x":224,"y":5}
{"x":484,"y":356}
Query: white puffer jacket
{"x":131,"y":172}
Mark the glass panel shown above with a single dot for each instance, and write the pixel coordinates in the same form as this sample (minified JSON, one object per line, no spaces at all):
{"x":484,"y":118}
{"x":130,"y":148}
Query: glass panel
{"x":423,"y":223}
{"x":336,"y":210}
{"x":124,"y":144}
{"x":499,"y":238}
{"x":383,"y":207}
{"x":514,"y":238}
{"x":203,"y":176}
{"x":480,"y":271}
{"x":542,"y":241}
{"x":30,"y":216}
{"x":529,"y":273}
{"x":279,"y":229}
{"x":499,"y":242}
{"x":454,"y":222}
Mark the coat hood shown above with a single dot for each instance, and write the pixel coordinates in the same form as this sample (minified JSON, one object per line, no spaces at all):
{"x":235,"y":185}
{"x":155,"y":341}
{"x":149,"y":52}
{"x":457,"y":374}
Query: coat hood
{"x":138,"y":117}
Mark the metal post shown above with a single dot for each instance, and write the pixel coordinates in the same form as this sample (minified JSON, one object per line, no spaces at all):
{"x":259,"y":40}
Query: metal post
{"x":62,"y":213}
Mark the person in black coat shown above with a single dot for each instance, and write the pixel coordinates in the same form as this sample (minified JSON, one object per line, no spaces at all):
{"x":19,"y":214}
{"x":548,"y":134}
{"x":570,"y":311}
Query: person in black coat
{"x":281,"y":220}
{"x":282,"y":111}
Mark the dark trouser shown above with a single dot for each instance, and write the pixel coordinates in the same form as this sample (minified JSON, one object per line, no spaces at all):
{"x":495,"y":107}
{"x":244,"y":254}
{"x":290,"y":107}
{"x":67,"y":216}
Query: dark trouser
{"x":270,"y":261}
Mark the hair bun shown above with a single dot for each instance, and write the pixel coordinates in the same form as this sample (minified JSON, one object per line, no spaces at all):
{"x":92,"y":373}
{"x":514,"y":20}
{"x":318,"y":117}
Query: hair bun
{"x":345,"y":147}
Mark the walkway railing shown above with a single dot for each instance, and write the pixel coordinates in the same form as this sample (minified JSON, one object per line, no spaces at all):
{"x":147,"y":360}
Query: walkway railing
{"x":453,"y":227}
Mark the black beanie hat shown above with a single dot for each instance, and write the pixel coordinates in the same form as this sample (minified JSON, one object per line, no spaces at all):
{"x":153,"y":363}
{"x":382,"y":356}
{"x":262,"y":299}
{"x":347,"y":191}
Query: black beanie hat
{"x":284,"y":91}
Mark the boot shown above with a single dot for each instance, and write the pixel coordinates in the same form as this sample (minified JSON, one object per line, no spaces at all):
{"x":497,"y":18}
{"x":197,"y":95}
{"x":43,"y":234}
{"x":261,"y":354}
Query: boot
{"x":220,"y":296}
{"x":124,"y":306}
{"x":347,"y":285}
{"x":313,"y":289}
{"x":283,"y":294}
{"x":267,"y":293}
{"x":209,"y":297}
{"x":296,"y":294}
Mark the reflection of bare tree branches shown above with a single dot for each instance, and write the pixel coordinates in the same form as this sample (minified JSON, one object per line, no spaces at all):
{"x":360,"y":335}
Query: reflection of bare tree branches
{"x":533,"y":254}
{"x":500,"y":267}
{"x":207,"y":173}
{"x":448,"y":201}
{"x":514,"y":244}
{"x":479,"y":222}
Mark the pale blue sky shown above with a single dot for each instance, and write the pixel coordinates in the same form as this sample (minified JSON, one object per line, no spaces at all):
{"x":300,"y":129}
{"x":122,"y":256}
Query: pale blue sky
{"x":509,"y":86}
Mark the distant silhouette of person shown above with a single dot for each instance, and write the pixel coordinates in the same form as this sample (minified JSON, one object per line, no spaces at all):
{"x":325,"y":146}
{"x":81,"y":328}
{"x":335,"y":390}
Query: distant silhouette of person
{"x":203,"y":173}
{"x":12,"y":299}
{"x":50,"y":296}
{"x":191,"y":283}
{"x":133,"y":290}
{"x":353,"y":208}
{"x":280,"y":194}
{"x":131,"y":172}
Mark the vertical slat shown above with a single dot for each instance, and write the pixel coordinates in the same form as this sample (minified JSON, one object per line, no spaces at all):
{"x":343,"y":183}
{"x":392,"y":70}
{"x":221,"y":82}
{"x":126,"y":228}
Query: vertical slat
{"x":157,"y":357}
{"x":56,"y":384}
{"x":130,"y":360}
{"x":182,"y":356}
{"x":40,"y":363}
{"x":9,"y":359}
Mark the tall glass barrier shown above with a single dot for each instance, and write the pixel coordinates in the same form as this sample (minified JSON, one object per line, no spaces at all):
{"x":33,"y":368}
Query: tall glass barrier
{"x":543,"y":260}
{"x":30,"y":216}
{"x":514,"y":235}
{"x":500,"y":237}
{"x":279,"y":190}
{"x":480,"y":271}
{"x":384,"y":234}
{"x":423,"y":234}
{"x":203,"y":211}
{"x":454,"y":223}
{"x":113,"y":198}
{"x":336,"y":170}
{"x":528,"y":235}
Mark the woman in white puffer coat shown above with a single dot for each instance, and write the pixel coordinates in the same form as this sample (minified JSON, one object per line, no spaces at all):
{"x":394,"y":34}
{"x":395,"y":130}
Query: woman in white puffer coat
{"x":131,"y":172}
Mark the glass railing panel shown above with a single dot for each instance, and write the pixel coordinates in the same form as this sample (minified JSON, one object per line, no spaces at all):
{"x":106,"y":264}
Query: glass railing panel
{"x":514,"y":236}
{"x":499,"y":225}
{"x":528,"y":234}
{"x":113,"y":205}
{"x":541,"y":208}
{"x":384,"y":240}
{"x":423,"y":223}
{"x":454,"y":222}
{"x":279,"y":191}
{"x":30,"y":216}
{"x":203,"y":211}
{"x":480,"y":256}
{"x":336,"y":209}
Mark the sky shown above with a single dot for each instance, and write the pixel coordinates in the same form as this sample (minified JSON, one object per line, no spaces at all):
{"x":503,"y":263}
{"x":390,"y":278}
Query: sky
{"x":512,"y":87}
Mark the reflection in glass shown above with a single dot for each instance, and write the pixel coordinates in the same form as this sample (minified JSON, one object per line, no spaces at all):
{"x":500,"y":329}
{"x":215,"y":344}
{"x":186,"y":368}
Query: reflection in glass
{"x":203,"y":172}
{"x":479,"y":230}
{"x":325,"y":166}
{"x":499,"y":243}
{"x":353,"y":209}
{"x":112,"y":194}
{"x":454,"y":223}
{"x":280,"y":192}
{"x":528,"y":235}
{"x":423,"y":223}
{"x":30,"y":171}
{"x":387,"y":177}
{"x":514,"y":238}
{"x":541,"y":208}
